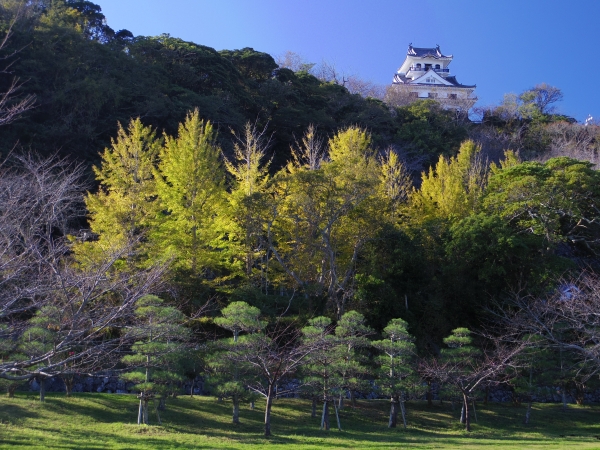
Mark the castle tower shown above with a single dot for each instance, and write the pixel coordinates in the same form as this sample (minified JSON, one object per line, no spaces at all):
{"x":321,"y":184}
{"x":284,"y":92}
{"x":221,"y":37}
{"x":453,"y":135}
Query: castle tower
{"x":425,"y":74}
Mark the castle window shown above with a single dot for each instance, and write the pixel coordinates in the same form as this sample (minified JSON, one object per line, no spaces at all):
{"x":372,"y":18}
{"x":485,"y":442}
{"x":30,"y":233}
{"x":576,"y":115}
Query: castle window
{"x":432,"y":95}
{"x":452,"y":96}
{"x":413,"y":94}
{"x":437,"y":66}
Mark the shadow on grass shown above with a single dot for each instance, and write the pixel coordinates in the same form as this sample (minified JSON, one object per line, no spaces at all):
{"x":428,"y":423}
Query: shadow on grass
{"x":95,"y":421}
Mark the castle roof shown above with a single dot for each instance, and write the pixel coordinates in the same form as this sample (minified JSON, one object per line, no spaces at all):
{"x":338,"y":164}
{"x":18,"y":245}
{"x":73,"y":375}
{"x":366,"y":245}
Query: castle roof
{"x":451,"y":79}
{"x":422,"y":52}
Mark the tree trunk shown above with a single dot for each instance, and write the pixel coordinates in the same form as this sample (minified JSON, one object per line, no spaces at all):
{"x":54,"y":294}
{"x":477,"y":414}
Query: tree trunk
{"x":10,"y":391}
{"x":192,"y":388}
{"x":162,"y":403}
{"x":252,"y":405}
{"x":69,"y":387}
{"x":429,"y":394}
{"x":325,"y":416}
{"x":466,"y":408}
{"x":141,"y":412}
{"x":268,"y":411}
{"x":474,"y":411}
{"x":563,"y":394}
{"x":393,"y":412}
{"x":580,"y":398}
{"x":403,"y":410}
{"x":353,"y":398}
{"x":341,"y":402}
{"x":146,"y":421}
{"x":337,"y":416}
{"x":69,"y":381}
{"x":236,"y":409}
{"x":486,"y":397}
{"x":42,"y":389}
{"x":528,"y":412}
{"x":462,"y":413}
{"x":313,"y":412}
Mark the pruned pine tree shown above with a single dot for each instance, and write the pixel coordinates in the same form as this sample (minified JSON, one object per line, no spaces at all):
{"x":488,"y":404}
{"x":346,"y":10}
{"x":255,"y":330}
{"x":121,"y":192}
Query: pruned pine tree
{"x":352,"y":332}
{"x":190,"y":184}
{"x":231,"y":376}
{"x":153,"y":357}
{"x":460,"y":360}
{"x":396,"y":366}
{"x":321,"y":368}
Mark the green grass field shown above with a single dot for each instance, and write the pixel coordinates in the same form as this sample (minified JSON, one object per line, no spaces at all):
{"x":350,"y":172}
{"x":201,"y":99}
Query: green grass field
{"x":102,"y":421}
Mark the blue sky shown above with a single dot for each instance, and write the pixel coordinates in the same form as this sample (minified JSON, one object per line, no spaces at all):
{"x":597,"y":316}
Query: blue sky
{"x":502,"y":46}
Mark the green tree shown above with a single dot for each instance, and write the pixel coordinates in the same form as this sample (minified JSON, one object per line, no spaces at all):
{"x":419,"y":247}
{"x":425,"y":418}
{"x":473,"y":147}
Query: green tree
{"x":352,"y":333}
{"x":396,"y":365}
{"x":429,"y":130}
{"x":554,"y":200}
{"x":322,"y":364}
{"x":461,"y":369}
{"x":231,"y":377}
{"x":153,"y":357}
{"x":453,"y":189}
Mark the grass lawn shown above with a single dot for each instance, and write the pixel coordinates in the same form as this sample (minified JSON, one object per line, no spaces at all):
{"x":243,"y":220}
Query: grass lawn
{"x":102,"y":421}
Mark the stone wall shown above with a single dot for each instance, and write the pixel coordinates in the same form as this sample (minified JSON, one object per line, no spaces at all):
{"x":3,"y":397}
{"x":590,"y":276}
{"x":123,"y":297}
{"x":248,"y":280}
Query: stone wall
{"x":112,"y":384}
{"x":107,"y":384}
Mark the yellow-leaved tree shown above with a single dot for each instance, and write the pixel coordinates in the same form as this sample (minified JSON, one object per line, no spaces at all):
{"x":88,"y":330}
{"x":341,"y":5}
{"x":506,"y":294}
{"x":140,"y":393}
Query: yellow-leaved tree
{"x":122,"y":210}
{"x":324,"y":214}
{"x":453,"y":188}
{"x":190,"y":185}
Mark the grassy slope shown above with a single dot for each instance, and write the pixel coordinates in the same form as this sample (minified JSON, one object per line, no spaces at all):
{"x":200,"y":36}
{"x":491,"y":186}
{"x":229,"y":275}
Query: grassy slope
{"x":100,"y":421}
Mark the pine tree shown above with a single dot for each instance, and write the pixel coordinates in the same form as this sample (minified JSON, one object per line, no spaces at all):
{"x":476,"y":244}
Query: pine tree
{"x":154,"y":357}
{"x":461,"y":368}
{"x":396,"y":365}
{"x":352,"y":333}
{"x":230,"y":377}
{"x":320,"y":371}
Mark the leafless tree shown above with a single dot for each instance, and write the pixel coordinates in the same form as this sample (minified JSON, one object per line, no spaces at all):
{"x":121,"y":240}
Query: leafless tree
{"x":276,"y":355}
{"x":568,"y":319}
{"x":58,"y":314}
{"x":574,"y":141}
{"x":494,"y":365}
{"x":11,"y":105}
{"x":310,"y":152}
{"x":364,"y":88}
{"x":397,"y":96}
{"x":294,"y":61}
{"x":39,"y":201}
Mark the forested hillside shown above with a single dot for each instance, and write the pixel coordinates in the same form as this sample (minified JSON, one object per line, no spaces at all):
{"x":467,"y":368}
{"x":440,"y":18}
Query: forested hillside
{"x":151,"y":184}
